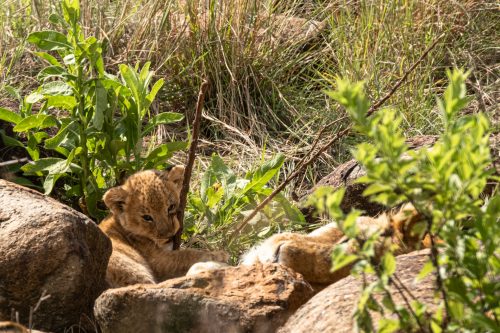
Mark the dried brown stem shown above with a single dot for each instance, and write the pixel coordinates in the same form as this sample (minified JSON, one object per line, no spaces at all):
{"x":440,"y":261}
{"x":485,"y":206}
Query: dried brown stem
{"x":305,"y":163}
{"x":190,"y":162}
{"x":15,"y":161}
{"x":398,"y":84}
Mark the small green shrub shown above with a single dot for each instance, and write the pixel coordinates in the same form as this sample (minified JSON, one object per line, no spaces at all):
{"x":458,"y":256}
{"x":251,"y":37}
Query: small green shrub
{"x":93,"y":123}
{"x":224,"y":199}
{"x":444,"y":184}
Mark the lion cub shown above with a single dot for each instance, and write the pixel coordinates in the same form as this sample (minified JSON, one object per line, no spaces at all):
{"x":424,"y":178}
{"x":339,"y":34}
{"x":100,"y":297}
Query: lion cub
{"x":310,"y":254}
{"x":141,"y":227}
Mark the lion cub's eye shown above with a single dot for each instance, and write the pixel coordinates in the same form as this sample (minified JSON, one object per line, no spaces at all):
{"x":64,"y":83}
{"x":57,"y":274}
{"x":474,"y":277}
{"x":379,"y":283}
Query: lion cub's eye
{"x":147,"y":218}
{"x":171,"y":209}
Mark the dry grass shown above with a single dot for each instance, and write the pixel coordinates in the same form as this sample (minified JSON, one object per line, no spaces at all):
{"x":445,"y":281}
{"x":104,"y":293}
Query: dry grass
{"x":268,"y":62}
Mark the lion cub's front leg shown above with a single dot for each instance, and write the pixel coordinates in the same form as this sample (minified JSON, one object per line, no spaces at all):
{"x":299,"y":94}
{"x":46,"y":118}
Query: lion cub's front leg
{"x":170,"y":264}
{"x":309,"y":254}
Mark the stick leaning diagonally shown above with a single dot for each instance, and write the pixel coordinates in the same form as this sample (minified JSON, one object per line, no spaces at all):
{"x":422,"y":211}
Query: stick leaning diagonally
{"x":190,"y":162}
{"x":333,"y":140}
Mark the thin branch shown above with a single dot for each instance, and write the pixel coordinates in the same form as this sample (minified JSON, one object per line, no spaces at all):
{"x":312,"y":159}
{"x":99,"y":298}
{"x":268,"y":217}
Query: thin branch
{"x":394,"y":88}
{"x":15,"y":161}
{"x":396,"y":277}
{"x":336,"y":137}
{"x":190,"y":162}
{"x":317,"y":139}
{"x":439,"y":280}
{"x":42,"y":298}
{"x":434,"y":254}
{"x":401,"y":288}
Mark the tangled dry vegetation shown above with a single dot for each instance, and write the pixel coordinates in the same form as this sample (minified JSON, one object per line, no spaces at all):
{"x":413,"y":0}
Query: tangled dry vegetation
{"x":268,"y":61}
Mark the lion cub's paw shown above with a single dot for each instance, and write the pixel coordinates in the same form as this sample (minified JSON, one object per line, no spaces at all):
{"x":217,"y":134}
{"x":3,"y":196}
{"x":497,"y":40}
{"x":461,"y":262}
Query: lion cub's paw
{"x":206,"y":266}
{"x":267,"y":252}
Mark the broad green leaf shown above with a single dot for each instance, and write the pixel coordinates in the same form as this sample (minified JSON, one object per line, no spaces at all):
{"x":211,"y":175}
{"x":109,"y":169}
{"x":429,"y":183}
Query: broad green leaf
{"x":35,"y":121}
{"x":145,"y":74}
{"x":91,"y":44}
{"x":91,"y":200}
{"x":162,"y":118}
{"x":49,"y":182}
{"x":340,"y":257}
{"x":71,"y":11}
{"x":56,"y":140}
{"x":494,"y":206}
{"x":291,"y":212}
{"x":386,"y":325}
{"x":388,"y":303}
{"x":214,"y":195}
{"x":49,"y":58}
{"x":224,"y":174}
{"x":55,"y":19}
{"x":101,"y":104}
{"x":426,"y":270}
{"x":34,"y":97}
{"x":58,"y":167}
{"x":39,"y":136}
{"x":49,"y":40}
{"x":61,"y":102}
{"x":456,"y":309}
{"x":132,"y":82}
{"x":53,"y":71}
{"x":154,"y":90}
{"x":10,"y":116}
{"x":207,"y":180}
{"x":265,"y":173}
{"x":389,"y":263}
{"x":163,"y":152}
{"x":333,"y":201}
{"x":42,"y":164}
{"x":56,"y":88}
{"x":8,"y":141}
{"x":376,"y":188}
{"x":349,"y":225}
{"x":69,"y":59}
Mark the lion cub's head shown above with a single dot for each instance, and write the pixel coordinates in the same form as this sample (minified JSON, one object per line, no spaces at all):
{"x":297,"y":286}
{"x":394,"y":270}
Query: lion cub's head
{"x":146,"y":205}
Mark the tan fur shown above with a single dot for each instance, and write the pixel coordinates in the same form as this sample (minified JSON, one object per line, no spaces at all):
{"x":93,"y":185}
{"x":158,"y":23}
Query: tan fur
{"x":141,"y":227}
{"x":207,"y":266}
{"x":310,"y":254}
{"x":11,"y":327}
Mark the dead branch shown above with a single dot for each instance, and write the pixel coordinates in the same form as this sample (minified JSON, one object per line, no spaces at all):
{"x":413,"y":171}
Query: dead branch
{"x":333,"y":140}
{"x":190,"y":162}
{"x":15,"y":161}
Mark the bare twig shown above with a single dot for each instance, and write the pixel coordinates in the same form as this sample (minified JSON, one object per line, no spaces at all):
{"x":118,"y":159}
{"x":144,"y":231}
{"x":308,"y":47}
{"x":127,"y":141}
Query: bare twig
{"x":334,"y":139}
{"x":401,"y":288}
{"x":190,"y":162}
{"x":15,"y":161}
{"x":42,"y":298}
{"x":395,"y":87}
{"x":317,"y":139}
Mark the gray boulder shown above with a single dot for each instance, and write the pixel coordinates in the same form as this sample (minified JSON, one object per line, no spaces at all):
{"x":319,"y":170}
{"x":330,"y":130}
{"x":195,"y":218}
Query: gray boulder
{"x":49,"y":254}
{"x":257,"y":298}
{"x":332,"y":309}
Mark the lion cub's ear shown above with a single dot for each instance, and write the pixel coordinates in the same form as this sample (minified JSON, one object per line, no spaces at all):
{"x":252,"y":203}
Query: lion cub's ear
{"x":176,"y":175}
{"x":115,"y":198}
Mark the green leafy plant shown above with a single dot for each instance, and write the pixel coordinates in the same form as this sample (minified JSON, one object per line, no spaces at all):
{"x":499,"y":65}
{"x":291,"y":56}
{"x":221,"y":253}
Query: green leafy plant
{"x":224,"y":199}
{"x":444,"y":184}
{"x":93,"y":123}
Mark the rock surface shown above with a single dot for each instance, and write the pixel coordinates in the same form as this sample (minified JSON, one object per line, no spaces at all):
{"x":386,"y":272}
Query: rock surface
{"x":346,"y":174}
{"x":332,"y":309}
{"x":47,"y":248}
{"x":235,"y":299}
